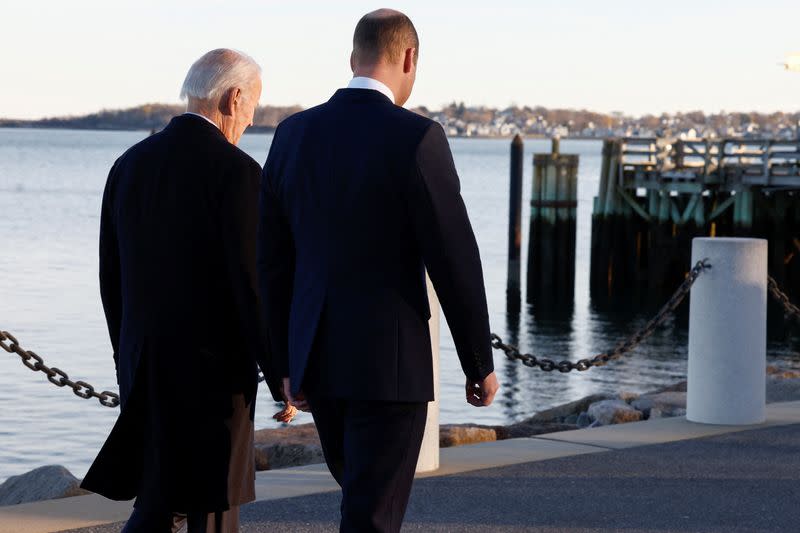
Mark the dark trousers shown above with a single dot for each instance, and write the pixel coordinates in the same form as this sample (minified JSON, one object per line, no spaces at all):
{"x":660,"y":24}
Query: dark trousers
{"x":159,"y":521}
{"x":371,"y":449}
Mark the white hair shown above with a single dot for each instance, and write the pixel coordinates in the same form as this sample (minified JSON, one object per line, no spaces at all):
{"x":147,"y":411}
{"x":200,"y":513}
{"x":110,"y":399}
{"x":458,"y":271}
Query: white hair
{"x":218,"y":71}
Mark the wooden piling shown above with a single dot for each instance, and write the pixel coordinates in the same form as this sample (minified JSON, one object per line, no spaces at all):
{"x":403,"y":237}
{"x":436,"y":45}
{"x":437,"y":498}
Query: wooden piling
{"x":513,"y":295}
{"x":551,"y":247}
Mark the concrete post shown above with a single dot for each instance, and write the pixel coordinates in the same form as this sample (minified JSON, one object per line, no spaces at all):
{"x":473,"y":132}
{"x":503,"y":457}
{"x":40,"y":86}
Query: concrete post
{"x":728,"y":333}
{"x":429,"y":454}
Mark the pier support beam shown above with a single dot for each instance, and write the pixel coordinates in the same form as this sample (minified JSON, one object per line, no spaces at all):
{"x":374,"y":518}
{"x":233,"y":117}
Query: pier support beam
{"x":728,"y":333}
{"x":551,"y":244}
{"x":513,"y":295}
{"x":429,"y":453}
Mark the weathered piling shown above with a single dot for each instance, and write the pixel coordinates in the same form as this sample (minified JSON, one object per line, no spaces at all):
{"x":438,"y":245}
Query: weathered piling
{"x":551,"y":245}
{"x":513,"y":295}
{"x":655,"y":196}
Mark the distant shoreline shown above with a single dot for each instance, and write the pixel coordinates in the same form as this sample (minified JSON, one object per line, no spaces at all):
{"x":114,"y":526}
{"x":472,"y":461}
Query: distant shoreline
{"x":462,"y":121}
{"x":270,"y":129}
{"x":73,"y":127}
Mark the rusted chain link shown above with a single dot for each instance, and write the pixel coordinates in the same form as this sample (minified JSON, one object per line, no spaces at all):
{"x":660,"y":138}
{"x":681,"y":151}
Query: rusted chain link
{"x":84,"y":390}
{"x":778,"y":295}
{"x":58,"y":377}
{"x":548,"y":365}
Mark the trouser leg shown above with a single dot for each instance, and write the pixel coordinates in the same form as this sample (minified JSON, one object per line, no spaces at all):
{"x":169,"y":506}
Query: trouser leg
{"x":222,"y":522}
{"x":328,"y":416}
{"x":149,"y":521}
{"x":381,"y":446}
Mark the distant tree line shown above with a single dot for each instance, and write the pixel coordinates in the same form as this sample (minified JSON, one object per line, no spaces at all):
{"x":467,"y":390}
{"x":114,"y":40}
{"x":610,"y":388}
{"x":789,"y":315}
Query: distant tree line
{"x":156,"y":116}
{"x":144,"y":117}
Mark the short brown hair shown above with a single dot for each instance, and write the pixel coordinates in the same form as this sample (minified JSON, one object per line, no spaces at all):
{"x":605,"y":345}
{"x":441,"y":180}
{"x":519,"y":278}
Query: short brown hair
{"x":383,"y":34}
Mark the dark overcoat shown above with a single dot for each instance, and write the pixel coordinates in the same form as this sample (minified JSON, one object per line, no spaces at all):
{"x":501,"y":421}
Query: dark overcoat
{"x":177,"y":280}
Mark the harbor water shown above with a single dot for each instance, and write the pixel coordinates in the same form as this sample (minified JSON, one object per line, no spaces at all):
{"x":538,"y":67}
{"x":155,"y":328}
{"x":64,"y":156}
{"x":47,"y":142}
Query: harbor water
{"x":51,"y":183}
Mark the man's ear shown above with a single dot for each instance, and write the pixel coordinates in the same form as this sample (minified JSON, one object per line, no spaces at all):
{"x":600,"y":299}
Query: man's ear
{"x":408,"y":60}
{"x":353,"y":61}
{"x":228,"y":102}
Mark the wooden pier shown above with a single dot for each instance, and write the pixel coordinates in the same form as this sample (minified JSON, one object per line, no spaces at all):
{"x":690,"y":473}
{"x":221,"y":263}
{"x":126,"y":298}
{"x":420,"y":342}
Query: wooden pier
{"x":551,"y":245}
{"x":656,"y":195}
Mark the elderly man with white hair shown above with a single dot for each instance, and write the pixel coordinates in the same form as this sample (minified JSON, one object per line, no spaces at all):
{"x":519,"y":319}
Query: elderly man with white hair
{"x":178,"y":284}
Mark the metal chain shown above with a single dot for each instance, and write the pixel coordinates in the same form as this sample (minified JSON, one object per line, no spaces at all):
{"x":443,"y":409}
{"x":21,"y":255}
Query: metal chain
{"x":84,"y":390}
{"x":56,"y":376}
{"x":789,"y":308}
{"x":624,"y":347}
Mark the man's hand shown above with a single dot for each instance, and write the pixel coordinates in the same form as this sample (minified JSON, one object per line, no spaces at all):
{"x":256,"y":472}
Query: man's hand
{"x":481,"y":393}
{"x":287,"y":414}
{"x":298,"y":401}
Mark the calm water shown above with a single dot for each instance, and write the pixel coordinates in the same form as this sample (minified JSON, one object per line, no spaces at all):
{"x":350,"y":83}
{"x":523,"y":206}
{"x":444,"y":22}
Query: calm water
{"x":50,"y":190}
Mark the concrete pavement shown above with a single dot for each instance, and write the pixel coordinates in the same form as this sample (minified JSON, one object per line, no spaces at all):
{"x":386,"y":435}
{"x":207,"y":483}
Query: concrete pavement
{"x":658,"y":475}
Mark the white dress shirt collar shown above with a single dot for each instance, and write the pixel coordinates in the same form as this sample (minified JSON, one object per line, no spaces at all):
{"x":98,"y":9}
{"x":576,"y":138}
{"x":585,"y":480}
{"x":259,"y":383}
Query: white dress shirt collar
{"x":203,"y":117}
{"x":363,"y":82}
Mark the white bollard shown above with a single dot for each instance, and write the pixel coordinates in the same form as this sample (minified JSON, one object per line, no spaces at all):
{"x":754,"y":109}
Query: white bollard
{"x":728,"y":333}
{"x":429,"y":454}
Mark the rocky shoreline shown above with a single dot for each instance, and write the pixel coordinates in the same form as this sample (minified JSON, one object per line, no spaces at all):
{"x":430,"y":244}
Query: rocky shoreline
{"x":299,"y":445}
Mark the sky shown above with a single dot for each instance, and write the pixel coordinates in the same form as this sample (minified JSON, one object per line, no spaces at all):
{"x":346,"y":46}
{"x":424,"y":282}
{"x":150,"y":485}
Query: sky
{"x":637,"y":57}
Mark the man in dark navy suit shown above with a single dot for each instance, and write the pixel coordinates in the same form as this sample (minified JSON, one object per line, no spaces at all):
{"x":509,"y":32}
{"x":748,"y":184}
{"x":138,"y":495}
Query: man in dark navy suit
{"x":358,"y":198}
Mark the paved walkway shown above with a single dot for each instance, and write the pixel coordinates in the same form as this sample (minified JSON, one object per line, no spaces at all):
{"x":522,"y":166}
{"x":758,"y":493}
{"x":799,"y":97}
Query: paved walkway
{"x":746,"y":482}
{"x":656,"y":476}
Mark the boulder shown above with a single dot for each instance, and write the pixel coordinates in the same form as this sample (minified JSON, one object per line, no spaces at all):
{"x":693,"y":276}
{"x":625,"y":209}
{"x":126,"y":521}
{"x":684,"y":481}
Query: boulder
{"x":666,"y":404}
{"x":656,"y":412}
{"x":528,"y":428}
{"x":584,"y":420}
{"x":287,"y":454}
{"x":560,"y":412}
{"x":609,"y":412}
{"x":44,"y":483}
{"x":627,"y":397}
{"x":675,"y":387}
{"x":287,"y":446}
{"x":460,"y":434}
{"x":780,"y":389}
{"x":777,"y":372}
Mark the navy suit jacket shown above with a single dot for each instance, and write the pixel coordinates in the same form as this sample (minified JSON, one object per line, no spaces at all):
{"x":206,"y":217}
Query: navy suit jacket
{"x":358,"y":198}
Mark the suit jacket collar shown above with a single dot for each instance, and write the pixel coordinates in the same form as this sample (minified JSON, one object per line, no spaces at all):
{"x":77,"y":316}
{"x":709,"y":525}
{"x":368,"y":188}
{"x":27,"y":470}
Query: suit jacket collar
{"x":360,"y":95}
{"x":196,"y":124}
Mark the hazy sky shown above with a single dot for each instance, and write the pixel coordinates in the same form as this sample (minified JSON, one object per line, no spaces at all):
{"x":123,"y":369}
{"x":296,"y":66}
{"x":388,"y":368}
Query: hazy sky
{"x":639,"y":57}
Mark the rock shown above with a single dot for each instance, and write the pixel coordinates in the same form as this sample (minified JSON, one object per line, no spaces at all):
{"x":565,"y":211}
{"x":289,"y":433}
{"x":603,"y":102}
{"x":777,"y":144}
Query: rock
{"x":676,"y":387}
{"x":782,"y":390}
{"x":776,"y":372}
{"x":571,"y":408}
{"x":528,"y":428}
{"x":609,"y":412}
{"x":44,"y":483}
{"x":584,"y":420}
{"x":286,"y":455}
{"x":627,"y":397}
{"x":299,"y":445}
{"x":668,"y":404}
{"x":460,"y":434}
{"x":655,"y":412}
{"x":287,"y":446}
